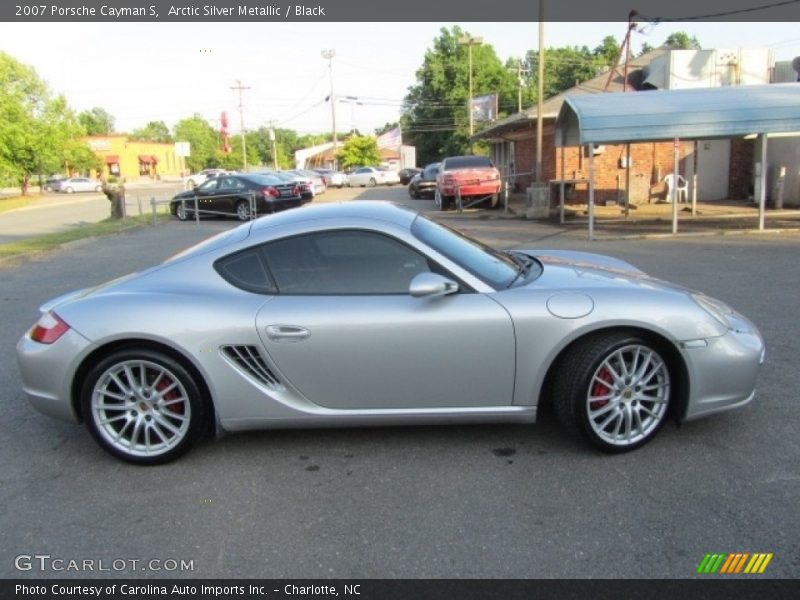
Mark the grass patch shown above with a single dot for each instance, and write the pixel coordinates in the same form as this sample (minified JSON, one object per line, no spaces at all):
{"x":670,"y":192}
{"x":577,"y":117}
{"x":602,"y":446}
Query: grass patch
{"x":19,"y":201}
{"x":50,"y":241}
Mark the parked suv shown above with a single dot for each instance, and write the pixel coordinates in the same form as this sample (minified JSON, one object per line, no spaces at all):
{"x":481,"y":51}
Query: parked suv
{"x":474,"y":176}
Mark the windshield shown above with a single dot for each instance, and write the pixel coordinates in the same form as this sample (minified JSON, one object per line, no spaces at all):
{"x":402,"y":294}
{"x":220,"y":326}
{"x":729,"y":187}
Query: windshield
{"x":496,"y":269}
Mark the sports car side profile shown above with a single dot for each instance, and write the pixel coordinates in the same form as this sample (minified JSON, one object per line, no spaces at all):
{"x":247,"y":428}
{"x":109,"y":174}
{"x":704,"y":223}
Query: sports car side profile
{"x":368,"y":313}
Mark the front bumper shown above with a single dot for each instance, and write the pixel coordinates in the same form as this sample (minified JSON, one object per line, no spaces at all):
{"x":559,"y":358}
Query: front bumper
{"x":47,"y":372}
{"x":722,"y":371}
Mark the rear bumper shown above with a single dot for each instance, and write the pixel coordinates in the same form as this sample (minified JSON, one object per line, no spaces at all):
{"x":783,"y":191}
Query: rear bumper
{"x":47,"y":372}
{"x":484,"y":189}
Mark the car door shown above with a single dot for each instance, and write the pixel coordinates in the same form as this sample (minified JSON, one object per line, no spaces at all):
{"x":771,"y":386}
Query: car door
{"x":205,"y":193}
{"x":345,"y":332}
{"x":229,"y":191}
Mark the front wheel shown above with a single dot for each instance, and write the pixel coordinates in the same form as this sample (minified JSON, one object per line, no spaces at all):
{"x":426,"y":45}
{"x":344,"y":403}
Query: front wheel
{"x":69,"y":190}
{"x":614,"y":390}
{"x":99,"y":188}
{"x":243,"y":210}
{"x":142,"y":406}
{"x":181,"y":212}
{"x":372,"y":182}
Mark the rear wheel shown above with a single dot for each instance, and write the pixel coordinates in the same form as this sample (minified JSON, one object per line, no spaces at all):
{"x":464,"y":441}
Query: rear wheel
{"x":614,"y":390}
{"x":243,"y":210}
{"x":69,"y":190}
{"x":143,"y":406}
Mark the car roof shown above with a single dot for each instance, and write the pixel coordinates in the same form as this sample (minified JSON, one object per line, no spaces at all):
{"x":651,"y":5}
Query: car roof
{"x":366,"y":209}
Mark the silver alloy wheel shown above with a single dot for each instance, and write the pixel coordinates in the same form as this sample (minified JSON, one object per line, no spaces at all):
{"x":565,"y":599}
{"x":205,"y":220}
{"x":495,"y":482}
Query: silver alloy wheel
{"x":372,"y":182}
{"x":437,"y":199}
{"x":628,"y":395}
{"x":243,"y":210}
{"x":181,"y":212}
{"x":140,"y":408}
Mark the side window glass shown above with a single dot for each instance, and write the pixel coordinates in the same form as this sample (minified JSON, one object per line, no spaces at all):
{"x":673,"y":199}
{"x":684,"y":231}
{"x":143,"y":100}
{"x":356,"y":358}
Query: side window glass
{"x":247,"y":271}
{"x":343,"y":263}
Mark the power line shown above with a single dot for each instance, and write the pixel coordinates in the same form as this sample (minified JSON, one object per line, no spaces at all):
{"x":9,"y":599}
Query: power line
{"x":721,"y":14}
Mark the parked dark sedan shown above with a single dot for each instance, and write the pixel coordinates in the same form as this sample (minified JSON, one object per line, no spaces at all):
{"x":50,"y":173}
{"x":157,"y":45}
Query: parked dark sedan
{"x":406,"y":175}
{"x":243,"y":196}
{"x":424,"y":182}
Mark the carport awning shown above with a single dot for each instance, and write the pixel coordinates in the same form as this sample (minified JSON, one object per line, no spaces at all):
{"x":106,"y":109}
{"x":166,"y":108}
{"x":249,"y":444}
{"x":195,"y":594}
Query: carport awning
{"x":147,"y":159}
{"x":687,"y":114}
{"x":112,"y":159}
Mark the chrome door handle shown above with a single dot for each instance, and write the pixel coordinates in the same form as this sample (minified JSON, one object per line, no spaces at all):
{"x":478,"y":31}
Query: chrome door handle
{"x":287,"y":333}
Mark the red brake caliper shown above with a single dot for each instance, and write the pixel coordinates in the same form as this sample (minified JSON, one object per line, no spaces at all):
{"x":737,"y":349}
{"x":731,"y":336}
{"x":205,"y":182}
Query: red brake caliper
{"x":177,"y":408}
{"x":598,"y":389}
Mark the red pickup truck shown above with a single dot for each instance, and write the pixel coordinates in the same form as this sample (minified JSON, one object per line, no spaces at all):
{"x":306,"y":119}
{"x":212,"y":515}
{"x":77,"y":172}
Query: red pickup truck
{"x":474,"y":176}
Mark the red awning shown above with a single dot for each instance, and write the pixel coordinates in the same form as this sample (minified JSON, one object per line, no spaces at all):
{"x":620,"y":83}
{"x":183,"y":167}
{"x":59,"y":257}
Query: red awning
{"x":112,"y":159}
{"x":146,"y":159}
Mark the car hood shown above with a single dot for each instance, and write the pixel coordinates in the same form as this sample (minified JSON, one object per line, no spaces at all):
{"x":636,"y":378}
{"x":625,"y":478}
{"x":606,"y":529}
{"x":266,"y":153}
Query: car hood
{"x":571,"y":269}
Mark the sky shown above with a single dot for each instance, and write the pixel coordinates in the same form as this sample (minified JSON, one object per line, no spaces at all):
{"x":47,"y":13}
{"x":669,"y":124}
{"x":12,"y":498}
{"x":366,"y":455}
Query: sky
{"x":141,"y":72}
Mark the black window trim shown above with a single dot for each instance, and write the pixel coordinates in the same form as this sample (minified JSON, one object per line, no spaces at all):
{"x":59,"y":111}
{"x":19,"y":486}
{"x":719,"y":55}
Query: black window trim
{"x":463,"y":287}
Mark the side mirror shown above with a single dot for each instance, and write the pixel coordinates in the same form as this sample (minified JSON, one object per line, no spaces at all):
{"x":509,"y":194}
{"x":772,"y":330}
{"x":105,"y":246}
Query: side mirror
{"x":431,"y":285}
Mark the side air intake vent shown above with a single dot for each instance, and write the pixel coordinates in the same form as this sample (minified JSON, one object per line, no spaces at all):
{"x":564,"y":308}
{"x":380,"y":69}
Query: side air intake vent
{"x":249,"y":360}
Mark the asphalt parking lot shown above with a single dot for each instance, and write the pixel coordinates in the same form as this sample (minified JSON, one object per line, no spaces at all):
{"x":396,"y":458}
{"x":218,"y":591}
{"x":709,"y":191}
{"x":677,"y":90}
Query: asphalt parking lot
{"x":483,"y":501}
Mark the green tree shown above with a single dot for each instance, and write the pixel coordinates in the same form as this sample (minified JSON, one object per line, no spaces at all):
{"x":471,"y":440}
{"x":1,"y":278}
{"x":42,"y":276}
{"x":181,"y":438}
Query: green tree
{"x":435,"y":117}
{"x":645,"y":49}
{"x":154,"y":131}
{"x":564,"y":67}
{"x":387,"y":127}
{"x":79,"y":157}
{"x":680,"y":40}
{"x":204,"y":143}
{"x":97,"y":121}
{"x":35,"y":128}
{"x":359,"y":151}
{"x":608,"y":51}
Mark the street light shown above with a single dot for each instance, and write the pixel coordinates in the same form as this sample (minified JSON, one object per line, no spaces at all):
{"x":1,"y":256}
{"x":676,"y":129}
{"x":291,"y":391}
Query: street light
{"x":470,"y":41}
{"x":328,"y":55}
{"x":352,"y":101}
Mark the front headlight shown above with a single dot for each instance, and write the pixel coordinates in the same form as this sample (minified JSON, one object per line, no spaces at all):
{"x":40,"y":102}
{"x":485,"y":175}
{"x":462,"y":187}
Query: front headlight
{"x":723,"y":313}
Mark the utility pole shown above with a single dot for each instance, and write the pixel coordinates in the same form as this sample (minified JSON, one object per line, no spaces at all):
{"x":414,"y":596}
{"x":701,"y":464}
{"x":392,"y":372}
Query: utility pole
{"x":274,"y":145}
{"x":521,"y":81}
{"x":329,"y":54}
{"x":240,"y":88}
{"x":470,"y":41}
{"x":540,"y":94}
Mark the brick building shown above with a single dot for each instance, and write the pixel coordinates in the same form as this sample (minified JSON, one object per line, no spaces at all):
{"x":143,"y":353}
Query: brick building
{"x":724,"y":167}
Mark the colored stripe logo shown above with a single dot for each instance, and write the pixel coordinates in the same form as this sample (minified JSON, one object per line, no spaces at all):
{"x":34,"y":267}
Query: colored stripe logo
{"x":734,"y":563}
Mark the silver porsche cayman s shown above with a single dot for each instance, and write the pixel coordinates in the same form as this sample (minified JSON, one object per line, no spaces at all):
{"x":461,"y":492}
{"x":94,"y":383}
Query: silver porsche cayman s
{"x":367,"y":313}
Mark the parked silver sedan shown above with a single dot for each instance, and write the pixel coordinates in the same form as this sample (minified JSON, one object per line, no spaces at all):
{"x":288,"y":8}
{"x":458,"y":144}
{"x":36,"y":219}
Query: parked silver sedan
{"x":78,"y":184}
{"x":370,"y":314}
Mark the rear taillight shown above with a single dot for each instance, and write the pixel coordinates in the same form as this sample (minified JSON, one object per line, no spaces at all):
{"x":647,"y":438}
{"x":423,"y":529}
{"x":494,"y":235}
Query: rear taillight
{"x":271,"y":191}
{"x":295,"y":191}
{"x":48,"y":328}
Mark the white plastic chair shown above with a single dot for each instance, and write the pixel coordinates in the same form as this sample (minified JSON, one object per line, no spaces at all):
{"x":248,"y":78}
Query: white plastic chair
{"x":683,"y":187}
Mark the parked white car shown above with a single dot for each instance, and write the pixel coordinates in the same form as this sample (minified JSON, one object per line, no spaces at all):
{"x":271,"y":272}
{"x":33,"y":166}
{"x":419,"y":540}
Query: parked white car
{"x":192,"y":181}
{"x":372,"y":176}
{"x":333,"y":178}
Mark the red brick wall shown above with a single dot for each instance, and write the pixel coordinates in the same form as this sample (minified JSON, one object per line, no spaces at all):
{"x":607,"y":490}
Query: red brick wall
{"x":740,"y":181}
{"x":651,"y":162}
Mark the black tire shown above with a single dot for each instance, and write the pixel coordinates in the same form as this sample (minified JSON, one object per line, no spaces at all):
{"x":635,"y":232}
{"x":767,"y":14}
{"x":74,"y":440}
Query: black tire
{"x":603,"y":405}
{"x":181,"y":212}
{"x":147,"y":426}
{"x":243,"y":210}
{"x":372,"y":182}
{"x":413,"y":193}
